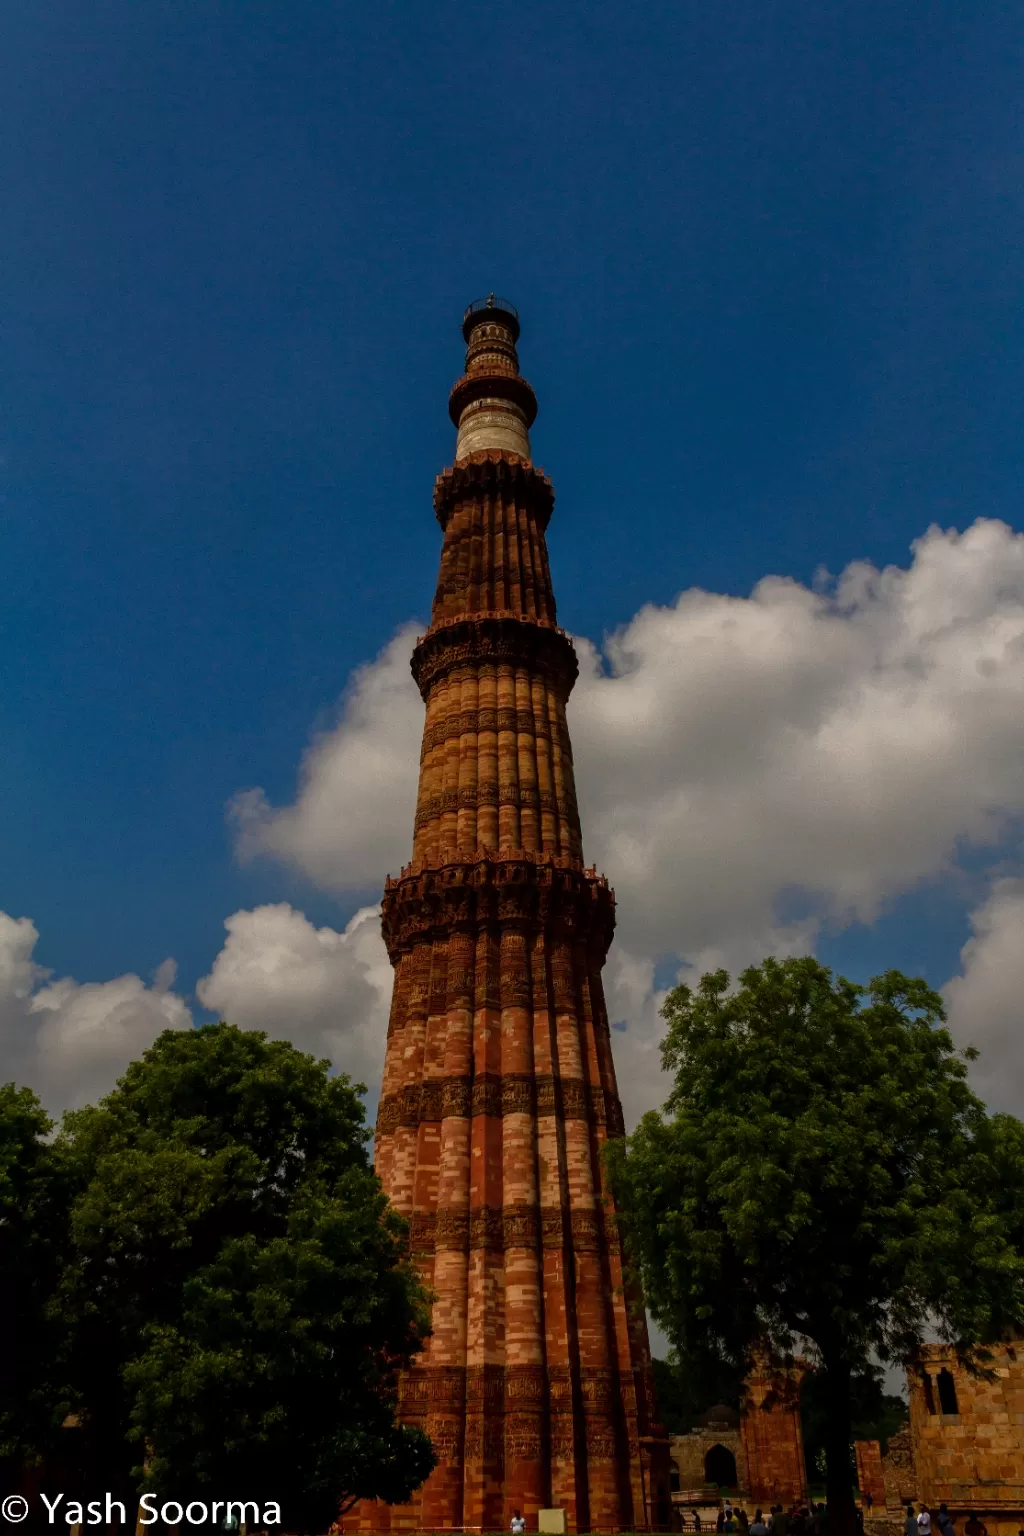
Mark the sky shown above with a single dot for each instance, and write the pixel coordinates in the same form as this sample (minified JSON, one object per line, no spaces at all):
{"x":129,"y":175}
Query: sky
{"x":768,"y":260}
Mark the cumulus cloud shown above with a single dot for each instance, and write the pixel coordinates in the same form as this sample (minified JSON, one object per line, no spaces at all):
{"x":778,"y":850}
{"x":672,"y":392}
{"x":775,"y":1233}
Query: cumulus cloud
{"x":985,"y":1002}
{"x":749,"y":768}
{"x":70,"y":1040}
{"x":738,"y":758}
{"x":327,"y":992}
{"x":352,"y":820}
{"x":828,"y":749}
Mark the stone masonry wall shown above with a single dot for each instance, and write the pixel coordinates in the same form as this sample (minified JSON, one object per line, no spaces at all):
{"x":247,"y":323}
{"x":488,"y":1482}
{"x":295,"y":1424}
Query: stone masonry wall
{"x":870,"y":1479}
{"x":971,"y":1457}
{"x":772,"y":1432}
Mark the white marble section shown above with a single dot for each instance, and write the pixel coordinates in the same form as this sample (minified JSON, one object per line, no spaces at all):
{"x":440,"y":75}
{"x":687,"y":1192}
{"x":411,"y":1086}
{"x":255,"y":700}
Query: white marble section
{"x":492,"y":423}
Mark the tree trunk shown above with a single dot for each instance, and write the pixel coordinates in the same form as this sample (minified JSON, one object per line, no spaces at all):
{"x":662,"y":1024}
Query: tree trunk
{"x":842,"y":1508}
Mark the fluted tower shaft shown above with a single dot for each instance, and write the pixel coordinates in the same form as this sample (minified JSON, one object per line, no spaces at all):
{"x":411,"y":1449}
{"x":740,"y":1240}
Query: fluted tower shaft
{"x":499,"y":1088}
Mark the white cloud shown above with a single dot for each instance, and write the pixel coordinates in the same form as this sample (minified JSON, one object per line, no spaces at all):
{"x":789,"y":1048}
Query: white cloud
{"x":327,"y":992}
{"x":352,"y":820}
{"x":69,"y":1040}
{"x":738,"y":750}
{"x":740,"y":759}
{"x":818,"y":751}
{"x":986,"y":1001}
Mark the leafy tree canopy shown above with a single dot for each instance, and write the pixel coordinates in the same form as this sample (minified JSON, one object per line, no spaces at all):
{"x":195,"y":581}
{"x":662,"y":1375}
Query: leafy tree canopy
{"x":874,"y":1415}
{"x":822,"y":1172}
{"x":687,"y":1388}
{"x":33,"y":1217}
{"x":238,"y":1290}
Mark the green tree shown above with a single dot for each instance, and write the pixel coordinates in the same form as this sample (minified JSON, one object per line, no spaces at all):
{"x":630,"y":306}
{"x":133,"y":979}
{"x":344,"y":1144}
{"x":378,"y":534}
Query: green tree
{"x":687,"y":1386}
{"x":33,"y":1232}
{"x":237,"y":1284}
{"x":821,"y":1172}
{"x":874,"y":1415}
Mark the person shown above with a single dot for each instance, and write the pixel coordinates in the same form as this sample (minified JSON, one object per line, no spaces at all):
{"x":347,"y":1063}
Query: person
{"x":696,"y":1520}
{"x":974,"y":1526}
{"x":924,"y":1521}
{"x":742,"y":1521}
{"x":518,"y":1525}
{"x":730,"y":1520}
{"x":868,"y":1501}
{"x":781,"y":1526}
{"x":757,"y":1525}
{"x":910,"y":1523}
{"x":720,"y":1522}
{"x":944,"y":1520}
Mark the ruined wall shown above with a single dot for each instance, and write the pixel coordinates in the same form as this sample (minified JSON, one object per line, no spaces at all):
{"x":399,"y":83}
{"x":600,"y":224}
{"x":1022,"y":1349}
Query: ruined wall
{"x":968,"y":1434}
{"x":772,"y":1434}
{"x":898,"y":1472}
{"x":869,"y":1470}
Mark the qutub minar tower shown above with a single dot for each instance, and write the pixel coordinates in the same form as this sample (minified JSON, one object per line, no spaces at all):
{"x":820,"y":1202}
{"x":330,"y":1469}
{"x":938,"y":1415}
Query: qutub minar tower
{"x":499,"y":1088}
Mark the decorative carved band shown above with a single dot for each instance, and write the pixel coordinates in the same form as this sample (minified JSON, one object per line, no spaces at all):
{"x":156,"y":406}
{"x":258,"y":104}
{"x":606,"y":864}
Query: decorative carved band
{"x":431,"y":1386}
{"x":499,"y":386}
{"x":428,"y":903}
{"x":471,"y":798}
{"x":490,"y":1389}
{"x":470,"y":722}
{"x":508,"y":640}
{"x":495,"y":1229}
{"x":499,"y":1094}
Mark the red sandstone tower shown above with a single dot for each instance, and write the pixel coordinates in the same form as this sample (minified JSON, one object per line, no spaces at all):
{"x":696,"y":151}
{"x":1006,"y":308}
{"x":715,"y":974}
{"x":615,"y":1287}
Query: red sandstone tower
{"x":499,"y":1089}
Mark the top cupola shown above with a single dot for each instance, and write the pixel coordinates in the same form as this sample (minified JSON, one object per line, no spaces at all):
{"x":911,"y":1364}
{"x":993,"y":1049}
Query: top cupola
{"x":492,"y":405}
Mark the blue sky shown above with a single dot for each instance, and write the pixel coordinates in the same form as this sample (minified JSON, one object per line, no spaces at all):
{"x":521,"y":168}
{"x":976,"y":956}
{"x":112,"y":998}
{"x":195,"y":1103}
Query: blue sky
{"x":768,"y":259}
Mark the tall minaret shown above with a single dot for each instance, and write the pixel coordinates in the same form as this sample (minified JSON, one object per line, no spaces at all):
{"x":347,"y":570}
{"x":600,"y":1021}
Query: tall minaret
{"x":499,"y":1089}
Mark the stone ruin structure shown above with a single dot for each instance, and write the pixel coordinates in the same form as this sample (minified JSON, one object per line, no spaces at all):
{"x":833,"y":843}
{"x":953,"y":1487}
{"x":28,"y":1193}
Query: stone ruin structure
{"x":499,"y":1087}
{"x":870,"y":1475}
{"x":708,"y":1458}
{"x":756,"y":1452}
{"x":964,"y":1445}
{"x":773,"y":1433}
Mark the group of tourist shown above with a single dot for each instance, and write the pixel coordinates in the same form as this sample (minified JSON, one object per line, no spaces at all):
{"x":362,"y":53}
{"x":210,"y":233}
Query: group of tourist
{"x":811,"y":1520}
{"x":801,"y":1520}
{"x":939,"y":1522}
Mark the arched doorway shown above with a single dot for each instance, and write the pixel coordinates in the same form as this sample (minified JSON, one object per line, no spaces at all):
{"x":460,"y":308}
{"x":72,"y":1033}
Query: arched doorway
{"x":673,"y":1477}
{"x":720,"y":1467}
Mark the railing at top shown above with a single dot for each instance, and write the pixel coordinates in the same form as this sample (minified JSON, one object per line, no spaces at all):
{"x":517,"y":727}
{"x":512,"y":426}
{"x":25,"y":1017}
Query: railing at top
{"x":491,"y":302}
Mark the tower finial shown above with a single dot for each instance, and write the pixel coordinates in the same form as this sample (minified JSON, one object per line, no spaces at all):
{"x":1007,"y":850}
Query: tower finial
{"x":492,"y":404}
